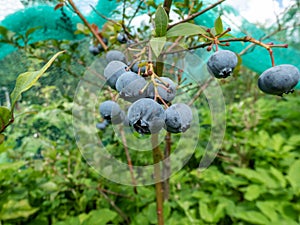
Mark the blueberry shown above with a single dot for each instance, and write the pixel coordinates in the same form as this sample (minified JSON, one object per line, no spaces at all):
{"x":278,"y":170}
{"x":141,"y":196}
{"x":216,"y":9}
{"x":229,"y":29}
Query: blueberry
{"x":122,"y":38}
{"x":115,"y":55}
{"x":178,"y":118}
{"x":146,"y":116}
{"x":113,"y":71}
{"x":139,"y":65}
{"x":279,"y":80}
{"x":167,"y":93}
{"x":222,"y":63}
{"x":111,"y":111}
{"x":105,"y":42}
{"x":103,"y":125}
{"x":129,"y":86}
{"x":94,"y":50}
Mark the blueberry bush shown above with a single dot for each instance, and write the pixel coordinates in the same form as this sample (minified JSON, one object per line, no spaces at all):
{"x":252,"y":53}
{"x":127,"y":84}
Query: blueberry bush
{"x":122,"y":91}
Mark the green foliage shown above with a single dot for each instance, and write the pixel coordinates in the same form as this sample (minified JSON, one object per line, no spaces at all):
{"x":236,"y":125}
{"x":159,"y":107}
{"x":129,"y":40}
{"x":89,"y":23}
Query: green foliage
{"x":27,"y":80}
{"x":187,"y":29}
{"x":45,"y":180}
{"x":161,"y":21}
{"x":24,"y":82}
{"x":219,"y":25}
{"x":157,"y":44}
{"x":254,"y":179}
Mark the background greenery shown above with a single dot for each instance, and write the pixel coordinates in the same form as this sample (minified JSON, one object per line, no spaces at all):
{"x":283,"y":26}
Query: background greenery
{"x":44,"y":179}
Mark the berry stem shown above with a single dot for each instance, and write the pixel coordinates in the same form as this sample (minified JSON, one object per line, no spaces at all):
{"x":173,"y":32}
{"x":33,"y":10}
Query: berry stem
{"x":145,"y":87}
{"x":272,"y":56}
{"x":223,"y":33}
{"x":155,"y":84}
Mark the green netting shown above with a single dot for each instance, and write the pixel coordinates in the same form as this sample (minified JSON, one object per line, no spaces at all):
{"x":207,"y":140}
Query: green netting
{"x":61,"y":24}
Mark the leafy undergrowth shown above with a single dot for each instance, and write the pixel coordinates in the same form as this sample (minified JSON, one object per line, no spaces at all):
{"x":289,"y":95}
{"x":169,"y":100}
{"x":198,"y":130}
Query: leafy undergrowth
{"x":253,"y":180}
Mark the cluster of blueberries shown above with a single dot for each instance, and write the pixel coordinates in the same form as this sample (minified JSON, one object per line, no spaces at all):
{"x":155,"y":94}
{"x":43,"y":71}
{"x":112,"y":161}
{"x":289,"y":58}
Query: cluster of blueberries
{"x":146,"y":114}
{"x":277,"y":80}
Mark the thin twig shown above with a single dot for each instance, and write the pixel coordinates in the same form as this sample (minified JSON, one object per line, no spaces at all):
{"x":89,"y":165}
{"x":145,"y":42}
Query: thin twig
{"x":88,"y":25}
{"x":174,"y":44}
{"x":167,"y":6}
{"x":104,"y":17}
{"x":199,"y":92}
{"x":128,"y":159}
{"x":244,"y":51}
{"x":242,"y":39}
{"x":123,"y":21}
{"x":194,"y":15}
{"x":115,"y":193}
{"x":136,"y":11}
{"x":111,"y":202}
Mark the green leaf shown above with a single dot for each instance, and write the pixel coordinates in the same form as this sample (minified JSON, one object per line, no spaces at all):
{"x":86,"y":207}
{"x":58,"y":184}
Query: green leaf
{"x":151,"y":213}
{"x":252,"y":217}
{"x":205,"y":212}
{"x":3,"y":31}
{"x":32,"y":30}
{"x":100,"y":217}
{"x":279,"y":176}
{"x":5,"y":116}
{"x":214,"y":214}
{"x":269,"y":209}
{"x":253,"y":192}
{"x":26,"y":80}
{"x":69,"y":221}
{"x":293,"y":174}
{"x":161,"y":21}
{"x":219,"y":25}
{"x":185,"y":29}
{"x":249,"y":174}
{"x":11,"y":166}
{"x":185,"y":205}
{"x":16,"y":209}
{"x":49,"y":187}
{"x":157,"y":45}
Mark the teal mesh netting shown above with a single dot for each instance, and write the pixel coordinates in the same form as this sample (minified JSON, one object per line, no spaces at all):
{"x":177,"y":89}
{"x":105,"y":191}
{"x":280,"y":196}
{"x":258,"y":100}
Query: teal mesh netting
{"x":61,"y":24}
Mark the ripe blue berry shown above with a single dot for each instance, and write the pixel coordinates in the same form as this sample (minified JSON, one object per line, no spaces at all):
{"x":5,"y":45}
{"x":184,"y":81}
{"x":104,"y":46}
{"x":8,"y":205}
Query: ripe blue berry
{"x":111,"y":111}
{"x":178,"y":118}
{"x":146,"y":116}
{"x":279,"y":80}
{"x":136,"y":66}
{"x":167,"y":91}
{"x":105,"y":42}
{"x":102,"y":125}
{"x":94,"y":50}
{"x":115,"y":55}
{"x":129,"y":86}
{"x":122,"y":38}
{"x":222,"y":63}
{"x":113,"y":71}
